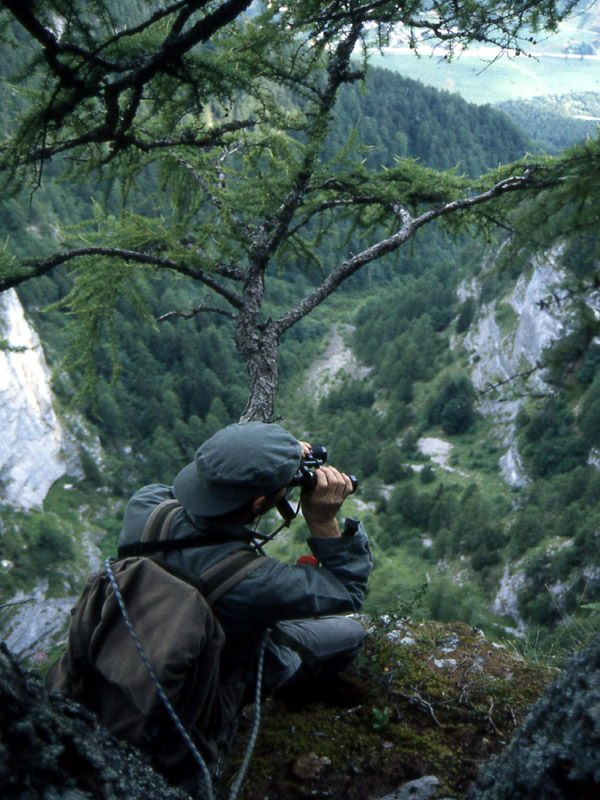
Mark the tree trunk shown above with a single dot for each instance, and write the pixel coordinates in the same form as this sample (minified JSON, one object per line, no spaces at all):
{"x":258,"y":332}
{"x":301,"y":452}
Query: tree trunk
{"x":258,"y":343}
{"x":260,"y":353}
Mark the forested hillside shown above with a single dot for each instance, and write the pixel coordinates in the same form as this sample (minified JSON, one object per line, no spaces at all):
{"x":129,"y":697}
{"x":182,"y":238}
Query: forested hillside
{"x":181,"y":380}
{"x":444,"y":535}
{"x":557,"y":121}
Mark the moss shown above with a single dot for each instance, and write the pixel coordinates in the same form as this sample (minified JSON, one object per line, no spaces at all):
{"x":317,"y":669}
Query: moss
{"x":440,"y":705}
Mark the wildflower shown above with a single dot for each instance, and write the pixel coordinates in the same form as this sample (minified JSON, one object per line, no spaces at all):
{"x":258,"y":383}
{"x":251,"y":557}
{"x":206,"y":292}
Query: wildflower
{"x":40,"y":658}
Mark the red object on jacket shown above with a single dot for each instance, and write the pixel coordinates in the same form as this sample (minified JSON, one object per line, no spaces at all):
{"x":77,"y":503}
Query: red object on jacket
{"x":312,"y":560}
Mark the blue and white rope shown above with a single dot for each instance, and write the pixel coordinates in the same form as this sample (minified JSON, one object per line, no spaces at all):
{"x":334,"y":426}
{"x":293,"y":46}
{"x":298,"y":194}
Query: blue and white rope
{"x":256,"y":722}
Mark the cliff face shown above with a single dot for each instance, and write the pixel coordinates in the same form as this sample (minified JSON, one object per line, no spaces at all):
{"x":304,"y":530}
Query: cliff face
{"x":35,"y":447}
{"x":507,"y":340}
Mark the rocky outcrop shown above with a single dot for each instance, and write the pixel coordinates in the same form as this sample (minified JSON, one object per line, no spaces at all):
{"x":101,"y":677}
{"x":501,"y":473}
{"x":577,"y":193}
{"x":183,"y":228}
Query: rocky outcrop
{"x":411,"y":719}
{"x":51,"y":748}
{"x":38,"y":622}
{"x":507,"y":340}
{"x":35,"y":447}
{"x":555,"y":754}
{"x":378,"y":729}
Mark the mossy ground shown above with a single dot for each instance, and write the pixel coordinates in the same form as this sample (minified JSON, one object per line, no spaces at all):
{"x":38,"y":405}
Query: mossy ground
{"x":422,"y":699}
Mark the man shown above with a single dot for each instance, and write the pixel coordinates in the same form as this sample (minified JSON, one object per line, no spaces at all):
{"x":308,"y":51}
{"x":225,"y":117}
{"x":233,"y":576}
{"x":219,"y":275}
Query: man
{"x":237,"y":475}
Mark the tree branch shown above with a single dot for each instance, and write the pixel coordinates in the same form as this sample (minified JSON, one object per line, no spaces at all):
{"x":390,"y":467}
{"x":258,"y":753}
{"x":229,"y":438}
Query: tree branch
{"x":338,"y":73}
{"x":492,"y":387}
{"x":44,"y":266}
{"x":409,"y":226}
{"x":201,"y":308}
{"x":74,"y":87}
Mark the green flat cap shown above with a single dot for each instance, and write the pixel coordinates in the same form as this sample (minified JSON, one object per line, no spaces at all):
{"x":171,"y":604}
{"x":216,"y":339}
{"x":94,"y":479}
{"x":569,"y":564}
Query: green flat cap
{"x":239,"y":463}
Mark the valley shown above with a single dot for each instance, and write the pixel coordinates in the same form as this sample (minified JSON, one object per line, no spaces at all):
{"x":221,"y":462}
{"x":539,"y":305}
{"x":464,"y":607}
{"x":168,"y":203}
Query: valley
{"x":548,"y":64}
{"x":447,"y":376}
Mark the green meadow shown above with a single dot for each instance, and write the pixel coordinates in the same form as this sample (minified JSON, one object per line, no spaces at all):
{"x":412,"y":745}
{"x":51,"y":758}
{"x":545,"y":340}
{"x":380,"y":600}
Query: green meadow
{"x":482,"y":81}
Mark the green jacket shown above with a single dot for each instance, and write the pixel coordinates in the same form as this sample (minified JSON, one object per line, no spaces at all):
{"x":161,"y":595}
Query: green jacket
{"x":275,"y":591}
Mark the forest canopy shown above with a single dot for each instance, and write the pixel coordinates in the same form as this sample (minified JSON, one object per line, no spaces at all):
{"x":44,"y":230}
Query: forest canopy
{"x":228,"y":107}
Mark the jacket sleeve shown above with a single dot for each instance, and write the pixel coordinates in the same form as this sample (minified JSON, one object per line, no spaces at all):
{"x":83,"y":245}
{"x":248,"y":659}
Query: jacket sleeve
{"x":278,"y":591}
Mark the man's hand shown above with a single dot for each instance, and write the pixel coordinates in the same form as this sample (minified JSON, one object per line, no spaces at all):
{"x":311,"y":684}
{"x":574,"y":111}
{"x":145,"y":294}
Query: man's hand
{"x":306,"y":449}
{"x":320,"y":506}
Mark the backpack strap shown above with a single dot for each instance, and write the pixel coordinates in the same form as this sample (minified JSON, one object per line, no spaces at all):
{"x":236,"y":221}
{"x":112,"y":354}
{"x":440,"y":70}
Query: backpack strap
{"x":154,"y":538}
{"x":159,"y":522}
{"x":216,"y":580}
{"x":185,"y":543}
{"x":222,"y":576}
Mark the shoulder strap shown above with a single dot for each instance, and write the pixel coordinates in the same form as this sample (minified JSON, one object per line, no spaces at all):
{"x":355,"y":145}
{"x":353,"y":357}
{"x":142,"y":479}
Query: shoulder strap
{"x":186,"y":542}
{"x":155,"y":536}
{"x":222,"y":576}
{"x":158,"y":523}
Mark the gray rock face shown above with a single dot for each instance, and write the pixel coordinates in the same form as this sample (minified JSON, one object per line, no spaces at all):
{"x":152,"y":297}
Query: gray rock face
{"x":420,"y":789}
{"x":39,"y":621}
{"x":554,"y":756}
{"x":35,"y":448}
{"x":499,"y":352}
{"x":51,"y":748}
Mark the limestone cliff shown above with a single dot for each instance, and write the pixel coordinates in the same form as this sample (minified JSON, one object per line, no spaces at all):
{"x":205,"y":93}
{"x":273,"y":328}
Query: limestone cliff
{"x":35,"y":447}
{"x":504,"y":346}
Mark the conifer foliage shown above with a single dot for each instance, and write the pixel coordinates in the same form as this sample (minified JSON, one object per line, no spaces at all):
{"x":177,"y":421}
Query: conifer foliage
{"x":228,"y":105}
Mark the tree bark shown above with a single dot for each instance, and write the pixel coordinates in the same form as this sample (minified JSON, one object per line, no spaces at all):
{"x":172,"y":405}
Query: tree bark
{"x":261,"y":357}
{"x":257,"y":344}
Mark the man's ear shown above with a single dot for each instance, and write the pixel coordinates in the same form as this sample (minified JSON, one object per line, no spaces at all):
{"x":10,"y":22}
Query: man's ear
{"x":257,"y":505}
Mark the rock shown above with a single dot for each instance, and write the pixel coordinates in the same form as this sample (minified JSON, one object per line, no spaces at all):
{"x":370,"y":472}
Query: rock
{"x":52,"y":748}
{"x":420,"y":789}
{"x":500,"y":352}
{"x":308,"y":766}
{"x":38,"y":622}
{"x":338,"y":360}
{"x":35,"y":447}
{"x":554,"y":755}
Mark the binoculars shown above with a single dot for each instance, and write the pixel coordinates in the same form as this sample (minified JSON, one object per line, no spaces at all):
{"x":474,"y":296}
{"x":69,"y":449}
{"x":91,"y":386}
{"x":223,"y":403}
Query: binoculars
{"x":305,"y":477}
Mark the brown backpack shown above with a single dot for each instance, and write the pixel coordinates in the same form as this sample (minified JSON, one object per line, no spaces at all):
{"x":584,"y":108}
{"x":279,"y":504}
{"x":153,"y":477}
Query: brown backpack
{"x":170,"y":611}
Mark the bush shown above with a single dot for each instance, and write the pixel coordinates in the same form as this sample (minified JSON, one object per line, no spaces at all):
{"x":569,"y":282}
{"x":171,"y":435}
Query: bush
{"x":350,"y":395}
{"x":589,"y":420}
{"x":390,"y":465}
{"x":49,"y":543}
{"x":549,"y":441}
{"x":427,"y":474}
{"x":452,"y":405}
{"x":465,"y":315}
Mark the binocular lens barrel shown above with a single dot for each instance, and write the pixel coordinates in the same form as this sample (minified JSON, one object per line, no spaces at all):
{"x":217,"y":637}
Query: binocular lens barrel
{"x":305,"y":477}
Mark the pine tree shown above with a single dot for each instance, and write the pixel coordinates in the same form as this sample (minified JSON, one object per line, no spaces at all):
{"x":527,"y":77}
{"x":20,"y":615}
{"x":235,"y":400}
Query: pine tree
{"x":227,"y":108}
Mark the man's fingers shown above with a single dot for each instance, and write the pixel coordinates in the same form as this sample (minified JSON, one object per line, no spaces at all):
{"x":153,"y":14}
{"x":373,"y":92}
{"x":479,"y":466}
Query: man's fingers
{"x":306,"y":449}
{"x":329,"y":478}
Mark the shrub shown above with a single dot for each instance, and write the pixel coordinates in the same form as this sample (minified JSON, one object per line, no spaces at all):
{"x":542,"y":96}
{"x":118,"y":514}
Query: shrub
{"x":452,"y":405}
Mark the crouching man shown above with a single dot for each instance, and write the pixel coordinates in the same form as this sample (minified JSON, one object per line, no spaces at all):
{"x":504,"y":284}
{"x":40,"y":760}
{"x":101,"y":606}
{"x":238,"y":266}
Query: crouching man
{"x":237,"y":475}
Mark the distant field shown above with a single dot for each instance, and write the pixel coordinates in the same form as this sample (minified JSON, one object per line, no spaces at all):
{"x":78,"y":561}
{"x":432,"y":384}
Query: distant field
{"x":506,"y":79}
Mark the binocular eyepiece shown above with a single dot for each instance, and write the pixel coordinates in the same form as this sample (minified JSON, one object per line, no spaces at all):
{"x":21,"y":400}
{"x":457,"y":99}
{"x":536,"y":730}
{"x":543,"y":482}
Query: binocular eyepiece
{"x":305,"y":477}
